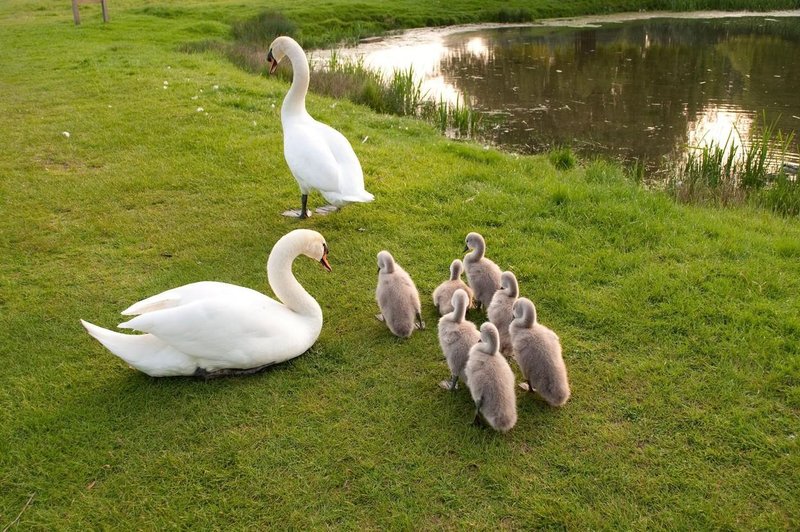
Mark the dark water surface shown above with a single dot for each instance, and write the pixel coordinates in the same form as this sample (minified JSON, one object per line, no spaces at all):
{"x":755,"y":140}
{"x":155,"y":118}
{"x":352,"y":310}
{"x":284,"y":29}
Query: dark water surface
{"x":633,"y":90}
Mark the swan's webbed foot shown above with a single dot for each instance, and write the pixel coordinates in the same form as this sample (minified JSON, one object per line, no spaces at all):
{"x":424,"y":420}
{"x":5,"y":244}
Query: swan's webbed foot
{"x":228,"y":372}
{"x":527,"y":386}
{"x":294,"y":213}
{"x":380,"y":317}
{"x":451,"y":385}
{"x":327,"y":209}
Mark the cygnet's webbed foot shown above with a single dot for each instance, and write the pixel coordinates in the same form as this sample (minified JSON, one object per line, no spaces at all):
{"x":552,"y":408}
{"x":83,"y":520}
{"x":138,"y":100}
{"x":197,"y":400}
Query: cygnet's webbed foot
{"x":380,"y":317}
{"x":451,"y":385}
{"x":420,"y":324}
{"x":527,"y":387}
{"x":327,"y":209}
{"x":229,"y":372}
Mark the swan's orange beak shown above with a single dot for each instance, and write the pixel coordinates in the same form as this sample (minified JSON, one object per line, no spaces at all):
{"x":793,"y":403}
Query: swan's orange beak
{"x":325,"y":263}
{"x":273,"y":65}
{"x":324,"y":259}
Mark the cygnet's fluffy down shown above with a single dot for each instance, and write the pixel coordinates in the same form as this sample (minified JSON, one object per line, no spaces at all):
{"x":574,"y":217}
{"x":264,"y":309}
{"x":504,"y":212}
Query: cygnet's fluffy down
{"x":491,"y":382}
{"x":397,"y":297}
{"x":538,"y":353}
{"x":456,"y":337}
{"x":443,"y":294}
{"x":500,"y":311}
{"x":483,"y":275}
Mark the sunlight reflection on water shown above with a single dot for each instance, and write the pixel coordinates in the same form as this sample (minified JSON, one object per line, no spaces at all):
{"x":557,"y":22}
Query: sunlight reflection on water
{"x":642,"y":89}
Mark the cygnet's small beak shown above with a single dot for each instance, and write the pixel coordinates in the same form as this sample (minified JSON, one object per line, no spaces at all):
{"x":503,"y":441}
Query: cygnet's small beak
{"x":273,"y":65}
{"x":466,"y":248}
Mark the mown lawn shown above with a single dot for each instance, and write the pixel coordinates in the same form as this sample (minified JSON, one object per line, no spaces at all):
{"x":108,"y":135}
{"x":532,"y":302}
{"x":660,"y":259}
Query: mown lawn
{"x":680,"y":324}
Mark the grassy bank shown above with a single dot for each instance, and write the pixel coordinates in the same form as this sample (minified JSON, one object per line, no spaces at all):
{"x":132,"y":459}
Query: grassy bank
{"x":680,"y":324}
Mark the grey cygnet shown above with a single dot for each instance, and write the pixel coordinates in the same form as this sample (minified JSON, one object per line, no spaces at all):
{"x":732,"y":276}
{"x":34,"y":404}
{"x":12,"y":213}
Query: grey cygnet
{"x":483,"y":275}
{"x":397,"y":297}
{"x":538,"y":353}
{"x":491,"y":382}
{"x":456,"y":336}
{"x":443,"y":295}
{"x":500,"y":310}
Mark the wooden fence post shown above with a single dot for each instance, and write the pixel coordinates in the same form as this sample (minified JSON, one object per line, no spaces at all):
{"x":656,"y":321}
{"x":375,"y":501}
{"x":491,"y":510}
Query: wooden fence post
{"x":77,"y":15}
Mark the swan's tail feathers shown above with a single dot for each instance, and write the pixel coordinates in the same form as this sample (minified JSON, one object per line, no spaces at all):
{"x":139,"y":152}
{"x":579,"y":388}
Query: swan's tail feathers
{"x":150,"y":304}
{"x":144,"y":352}
{"x":340,"y":199}
{"x":362,"y":197}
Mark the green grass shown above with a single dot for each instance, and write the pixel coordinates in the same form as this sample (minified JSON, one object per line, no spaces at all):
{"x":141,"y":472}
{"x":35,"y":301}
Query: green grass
{"x":679,"y":323}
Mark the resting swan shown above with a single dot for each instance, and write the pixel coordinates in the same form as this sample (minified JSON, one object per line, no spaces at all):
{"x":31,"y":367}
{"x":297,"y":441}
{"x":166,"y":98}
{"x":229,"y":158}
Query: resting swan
{"x":319,"y":157}
{"x":211,"y":329}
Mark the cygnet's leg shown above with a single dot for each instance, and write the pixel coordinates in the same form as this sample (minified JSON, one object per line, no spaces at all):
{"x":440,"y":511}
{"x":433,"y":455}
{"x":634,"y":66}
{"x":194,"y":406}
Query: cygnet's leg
{"x":229,"y":372}
{"x":477,"y":421}
{"x":451,"y":385}
{"x":420,"y":324}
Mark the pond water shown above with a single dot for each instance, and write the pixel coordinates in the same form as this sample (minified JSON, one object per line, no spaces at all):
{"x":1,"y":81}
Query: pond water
{"x":629,"y":88}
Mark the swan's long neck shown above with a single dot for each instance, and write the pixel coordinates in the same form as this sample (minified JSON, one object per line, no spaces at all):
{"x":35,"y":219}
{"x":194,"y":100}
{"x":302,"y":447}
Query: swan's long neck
{"x":295,"y":102}
{"x":283,"y":283}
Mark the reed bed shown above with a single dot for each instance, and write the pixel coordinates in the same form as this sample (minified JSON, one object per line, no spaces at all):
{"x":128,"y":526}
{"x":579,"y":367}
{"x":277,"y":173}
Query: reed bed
{"x":731,"y":173}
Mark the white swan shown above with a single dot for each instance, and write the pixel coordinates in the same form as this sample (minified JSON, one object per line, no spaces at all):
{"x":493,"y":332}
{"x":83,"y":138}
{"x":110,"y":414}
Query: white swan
{"x":319,"y":157}
{"x":211,"y":329}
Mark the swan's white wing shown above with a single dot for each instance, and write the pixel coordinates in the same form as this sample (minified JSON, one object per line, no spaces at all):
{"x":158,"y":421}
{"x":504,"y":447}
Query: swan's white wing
{"x":190,"y":293}
{"x":232,"y":333}
{"x":343,"y":153}
{"x":352,"y":176}
{"x":310,"y":158}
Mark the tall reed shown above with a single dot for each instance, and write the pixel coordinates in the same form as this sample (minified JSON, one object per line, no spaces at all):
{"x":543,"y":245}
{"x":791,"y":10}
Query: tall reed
{"x":721,"y":173}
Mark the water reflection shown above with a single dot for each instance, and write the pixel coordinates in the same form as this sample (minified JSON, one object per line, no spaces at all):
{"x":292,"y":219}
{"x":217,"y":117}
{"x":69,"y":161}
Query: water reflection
{"x":642,"y":89}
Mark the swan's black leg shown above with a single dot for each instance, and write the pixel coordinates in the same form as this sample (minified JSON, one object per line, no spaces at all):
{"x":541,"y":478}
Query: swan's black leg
{"x":303,"y":204}
{"x":420,"y":324}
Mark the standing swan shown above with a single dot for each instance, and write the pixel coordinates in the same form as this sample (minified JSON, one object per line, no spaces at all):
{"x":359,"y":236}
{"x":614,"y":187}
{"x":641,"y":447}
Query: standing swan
{"x":319,"y":157}
{"x":211,"y":329}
